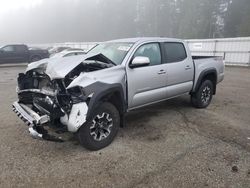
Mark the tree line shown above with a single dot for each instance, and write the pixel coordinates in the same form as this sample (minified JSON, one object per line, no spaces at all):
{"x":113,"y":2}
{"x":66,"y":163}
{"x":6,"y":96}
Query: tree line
{"x":99,"y":20}
{"x":183,"y":18}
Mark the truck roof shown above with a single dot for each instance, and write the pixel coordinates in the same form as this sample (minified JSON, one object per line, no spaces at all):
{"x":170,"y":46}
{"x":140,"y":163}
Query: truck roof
{"x":145,"y":39}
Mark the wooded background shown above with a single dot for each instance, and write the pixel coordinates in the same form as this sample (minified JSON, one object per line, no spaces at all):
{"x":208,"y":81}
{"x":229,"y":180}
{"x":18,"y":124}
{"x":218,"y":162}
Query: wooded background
{"x":99,"y":20}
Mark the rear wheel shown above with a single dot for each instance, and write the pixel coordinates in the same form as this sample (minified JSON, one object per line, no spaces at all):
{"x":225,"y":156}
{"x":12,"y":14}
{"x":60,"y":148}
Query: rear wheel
{"x":101,"y":130}
{"x":203,"y":96}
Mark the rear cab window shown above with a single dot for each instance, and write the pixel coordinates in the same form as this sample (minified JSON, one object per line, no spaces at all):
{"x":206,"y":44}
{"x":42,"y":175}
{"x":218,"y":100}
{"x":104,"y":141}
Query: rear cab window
{"x":20,"y":48}
{"x":174,"y":52}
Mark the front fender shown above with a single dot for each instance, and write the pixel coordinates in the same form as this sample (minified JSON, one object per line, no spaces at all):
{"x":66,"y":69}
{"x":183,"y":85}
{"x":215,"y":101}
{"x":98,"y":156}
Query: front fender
{"x":95,"y":93}
{"x":100,"y":86}
{"x":100,"y":92}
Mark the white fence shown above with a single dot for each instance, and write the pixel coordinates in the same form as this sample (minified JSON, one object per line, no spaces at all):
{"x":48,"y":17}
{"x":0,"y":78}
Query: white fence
{"x":235,"y":51}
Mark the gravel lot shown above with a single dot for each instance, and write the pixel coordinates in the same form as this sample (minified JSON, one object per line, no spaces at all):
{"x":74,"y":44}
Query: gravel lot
{"x":165,"y":145}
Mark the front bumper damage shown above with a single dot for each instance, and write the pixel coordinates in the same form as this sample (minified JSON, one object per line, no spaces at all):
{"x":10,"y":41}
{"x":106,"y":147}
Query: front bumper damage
{"x":32,"y":119}
{"x":45,"y":112}
{"x":60,"y":95}
{"x":36,"y":123}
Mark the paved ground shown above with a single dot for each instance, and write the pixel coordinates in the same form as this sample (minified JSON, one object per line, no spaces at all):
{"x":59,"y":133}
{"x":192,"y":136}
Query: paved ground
{"x":166,"y":145}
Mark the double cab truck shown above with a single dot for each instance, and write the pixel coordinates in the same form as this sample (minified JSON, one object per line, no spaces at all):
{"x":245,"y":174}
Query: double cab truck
{"x":20,"y":53}
{"x":89,"y":94}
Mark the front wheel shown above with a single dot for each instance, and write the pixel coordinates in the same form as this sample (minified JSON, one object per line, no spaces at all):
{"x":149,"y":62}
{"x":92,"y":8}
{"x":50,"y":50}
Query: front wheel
{"x":101,"y":130}
{"x":203,"y":96}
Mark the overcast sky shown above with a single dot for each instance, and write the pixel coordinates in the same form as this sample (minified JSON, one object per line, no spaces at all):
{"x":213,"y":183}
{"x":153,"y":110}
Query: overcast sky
{"x":50,"y":21}
{"x":15,"y":5}
{"x":39,"y":21}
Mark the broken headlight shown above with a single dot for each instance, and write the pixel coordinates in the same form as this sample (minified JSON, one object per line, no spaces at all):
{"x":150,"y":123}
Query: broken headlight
{"x":77,"y":94}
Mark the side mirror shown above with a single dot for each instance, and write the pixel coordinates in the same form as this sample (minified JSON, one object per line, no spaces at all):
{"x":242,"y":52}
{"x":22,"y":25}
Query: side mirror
{"x":139,"y":61}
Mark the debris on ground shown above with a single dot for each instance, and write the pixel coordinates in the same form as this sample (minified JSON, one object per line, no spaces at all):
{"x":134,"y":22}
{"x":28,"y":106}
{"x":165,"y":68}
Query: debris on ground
{"x":235,"y":169}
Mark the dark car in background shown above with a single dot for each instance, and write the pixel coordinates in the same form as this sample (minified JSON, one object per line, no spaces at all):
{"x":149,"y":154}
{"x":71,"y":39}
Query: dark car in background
{"x":19,"y":53}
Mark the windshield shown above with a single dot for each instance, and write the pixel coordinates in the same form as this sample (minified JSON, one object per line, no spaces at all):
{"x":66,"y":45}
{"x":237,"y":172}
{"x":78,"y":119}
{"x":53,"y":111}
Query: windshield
{"x":116,"y":52}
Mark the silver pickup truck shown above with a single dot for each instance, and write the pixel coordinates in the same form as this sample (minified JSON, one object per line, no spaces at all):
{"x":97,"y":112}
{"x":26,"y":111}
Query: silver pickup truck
{"x":89,"y":94}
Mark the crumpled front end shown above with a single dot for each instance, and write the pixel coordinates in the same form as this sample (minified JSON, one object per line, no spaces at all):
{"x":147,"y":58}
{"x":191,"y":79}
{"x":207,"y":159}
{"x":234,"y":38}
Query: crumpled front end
{"x":41,"y":103}
{"x":62,"y":104}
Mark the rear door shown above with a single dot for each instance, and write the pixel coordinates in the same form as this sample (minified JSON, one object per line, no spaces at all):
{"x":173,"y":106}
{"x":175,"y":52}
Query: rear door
{"x":180,"y":68}
{"x":147,"y":84}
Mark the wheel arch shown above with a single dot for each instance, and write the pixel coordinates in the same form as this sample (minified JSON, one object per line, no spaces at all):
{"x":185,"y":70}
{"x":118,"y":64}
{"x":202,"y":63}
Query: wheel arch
{"x":112,"y":93}
{"x":211,"y":75}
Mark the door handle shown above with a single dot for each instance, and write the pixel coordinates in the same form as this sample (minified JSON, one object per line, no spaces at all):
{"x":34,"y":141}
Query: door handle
{"x":162,"y":72}
{"x":187,"y":67}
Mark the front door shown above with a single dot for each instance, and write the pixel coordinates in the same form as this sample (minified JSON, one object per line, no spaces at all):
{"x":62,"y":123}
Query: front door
{"x":147,"y":84}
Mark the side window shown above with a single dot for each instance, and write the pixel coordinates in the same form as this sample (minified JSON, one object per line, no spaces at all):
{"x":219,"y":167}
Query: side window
{"x":152,"y":51}
{"x":20,"y":48}
{"x":174,"y":52}
{"x":8,"y":49}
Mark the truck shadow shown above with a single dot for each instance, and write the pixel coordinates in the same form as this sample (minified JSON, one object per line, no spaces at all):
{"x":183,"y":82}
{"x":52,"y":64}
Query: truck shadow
{"x":146,"y":113}
{"x":137,"y":121}
{"x":153,"y":122}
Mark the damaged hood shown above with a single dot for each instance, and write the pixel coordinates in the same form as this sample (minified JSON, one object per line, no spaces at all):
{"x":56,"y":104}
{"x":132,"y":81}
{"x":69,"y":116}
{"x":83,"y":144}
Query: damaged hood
{"x":111,"y":75}
{"x":57,"y":68}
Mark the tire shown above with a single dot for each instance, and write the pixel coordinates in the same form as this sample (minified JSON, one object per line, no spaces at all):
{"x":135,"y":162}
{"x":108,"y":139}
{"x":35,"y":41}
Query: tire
{"x":203,"y":96}
{"x":35,"y":58}
{"x":101,"y":130}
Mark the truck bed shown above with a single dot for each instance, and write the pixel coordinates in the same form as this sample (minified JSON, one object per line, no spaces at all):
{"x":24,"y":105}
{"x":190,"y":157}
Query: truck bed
{"x":208,"y":63}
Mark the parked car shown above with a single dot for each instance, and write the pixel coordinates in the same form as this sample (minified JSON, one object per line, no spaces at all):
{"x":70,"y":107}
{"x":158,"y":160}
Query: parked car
{"x":59,"y":49}
{"x":73,"y":49}
{"x":67,"y":53}
{"x":19,"y":53}
{"x":90,"y":94}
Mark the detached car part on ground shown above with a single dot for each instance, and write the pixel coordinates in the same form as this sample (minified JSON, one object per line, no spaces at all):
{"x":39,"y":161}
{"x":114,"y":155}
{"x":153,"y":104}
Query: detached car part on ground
{"x":89,"y":94}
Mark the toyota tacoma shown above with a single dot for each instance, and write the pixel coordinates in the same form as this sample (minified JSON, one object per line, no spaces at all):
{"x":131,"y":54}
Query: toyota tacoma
{"x":89,"y":94}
